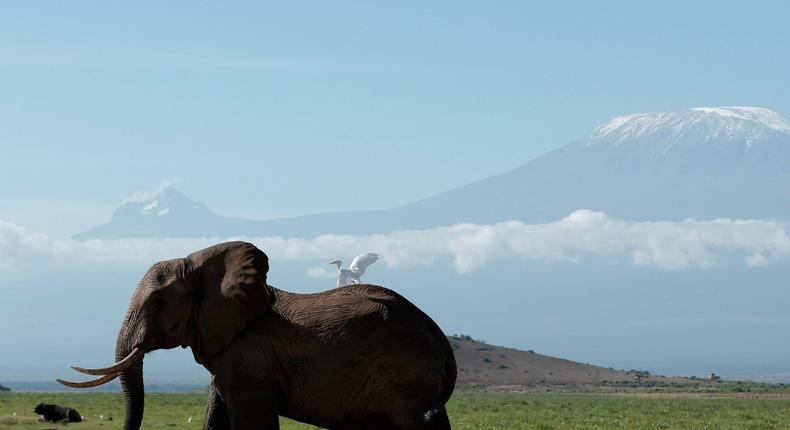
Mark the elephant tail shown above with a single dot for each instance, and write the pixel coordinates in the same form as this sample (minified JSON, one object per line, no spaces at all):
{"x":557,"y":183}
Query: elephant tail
{"x":436,"y":419}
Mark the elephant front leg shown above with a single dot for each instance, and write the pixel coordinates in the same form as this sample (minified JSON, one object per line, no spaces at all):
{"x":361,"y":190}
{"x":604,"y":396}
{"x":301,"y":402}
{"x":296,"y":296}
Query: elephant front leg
{"x":245,"y":380}
{"x":250,"y":417}
{"x":251,"y":410}
{"x":216,"y":411}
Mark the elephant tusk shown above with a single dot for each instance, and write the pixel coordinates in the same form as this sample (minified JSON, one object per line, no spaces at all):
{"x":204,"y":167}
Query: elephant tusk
{"x":130,"y":359}
{"x":87,"y":384}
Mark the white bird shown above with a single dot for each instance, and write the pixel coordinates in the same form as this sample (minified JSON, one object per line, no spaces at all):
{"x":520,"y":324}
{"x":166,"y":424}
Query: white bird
{"x":351,"y":275}
{"x":189,"y":420}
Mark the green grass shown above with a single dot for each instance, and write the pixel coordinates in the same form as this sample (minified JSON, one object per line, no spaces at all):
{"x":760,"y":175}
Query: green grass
{"x":692,"y":387}
{"x":467,"y":411}
{"x":600,"y":411}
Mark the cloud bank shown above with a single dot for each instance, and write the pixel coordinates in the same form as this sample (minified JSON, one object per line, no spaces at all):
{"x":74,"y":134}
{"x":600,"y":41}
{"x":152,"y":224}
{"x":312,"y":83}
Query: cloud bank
{"x":584,"y":235}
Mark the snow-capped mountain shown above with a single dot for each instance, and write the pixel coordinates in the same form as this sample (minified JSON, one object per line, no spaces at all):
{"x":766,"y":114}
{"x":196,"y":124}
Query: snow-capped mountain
{"x":675,"y":134}
{"x":703,"y":163}
{"x":163,"y":202}
{"x":696,"y":163}
{"x":726,"y":124}
{"x":166,"y":213}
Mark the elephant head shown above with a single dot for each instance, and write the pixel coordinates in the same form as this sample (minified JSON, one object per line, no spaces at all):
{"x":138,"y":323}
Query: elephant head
{"x":201,"y":301}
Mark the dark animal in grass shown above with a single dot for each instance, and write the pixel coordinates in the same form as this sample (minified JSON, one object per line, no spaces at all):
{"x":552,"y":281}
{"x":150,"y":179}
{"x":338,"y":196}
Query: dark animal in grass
{"x":57,"y":413}
{"x":357,"y":357}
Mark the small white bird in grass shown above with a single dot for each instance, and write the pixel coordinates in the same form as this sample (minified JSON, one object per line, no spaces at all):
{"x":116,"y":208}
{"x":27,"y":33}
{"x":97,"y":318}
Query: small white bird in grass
{"x":351,"y":275}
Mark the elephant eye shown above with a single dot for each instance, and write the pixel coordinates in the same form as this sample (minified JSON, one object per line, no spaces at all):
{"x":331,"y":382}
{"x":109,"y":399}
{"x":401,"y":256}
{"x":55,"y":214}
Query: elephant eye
{"x":160,"y":278}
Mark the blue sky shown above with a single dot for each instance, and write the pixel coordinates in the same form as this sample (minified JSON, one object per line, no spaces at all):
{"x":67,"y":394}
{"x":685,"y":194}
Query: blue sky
{"x":264,"y":110}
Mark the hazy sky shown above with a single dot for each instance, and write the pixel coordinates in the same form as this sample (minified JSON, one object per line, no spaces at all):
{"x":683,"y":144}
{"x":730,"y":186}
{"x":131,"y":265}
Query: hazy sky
{"x":271,"y":110}
{"x":263,"y":110}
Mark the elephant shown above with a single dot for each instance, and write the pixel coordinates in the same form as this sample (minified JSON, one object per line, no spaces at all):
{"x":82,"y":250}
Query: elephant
{"x":356,"y":357}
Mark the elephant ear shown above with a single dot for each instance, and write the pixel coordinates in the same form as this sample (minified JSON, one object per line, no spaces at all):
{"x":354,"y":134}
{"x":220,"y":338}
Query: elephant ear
{"x":229,"y":282}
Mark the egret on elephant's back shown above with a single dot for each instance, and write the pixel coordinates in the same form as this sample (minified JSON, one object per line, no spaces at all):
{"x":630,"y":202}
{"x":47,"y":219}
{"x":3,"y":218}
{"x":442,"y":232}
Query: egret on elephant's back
{"x":351,"y":275}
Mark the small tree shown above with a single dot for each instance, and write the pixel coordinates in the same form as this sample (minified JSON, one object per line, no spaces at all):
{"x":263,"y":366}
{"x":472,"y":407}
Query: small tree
{"x":640,"y":375}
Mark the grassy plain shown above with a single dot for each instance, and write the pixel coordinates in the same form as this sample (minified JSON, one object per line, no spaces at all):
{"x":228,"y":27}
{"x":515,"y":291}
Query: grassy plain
{"x":489,"y":411}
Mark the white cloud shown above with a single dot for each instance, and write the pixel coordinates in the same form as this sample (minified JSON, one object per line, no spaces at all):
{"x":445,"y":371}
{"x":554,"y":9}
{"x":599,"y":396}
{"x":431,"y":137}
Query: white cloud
{"x":756,"y":260}
{"x":582,"y":236}
{"x":19,"y":246}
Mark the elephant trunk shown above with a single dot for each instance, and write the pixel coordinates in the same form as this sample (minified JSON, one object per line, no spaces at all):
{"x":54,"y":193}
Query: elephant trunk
{"x":131,"y":380}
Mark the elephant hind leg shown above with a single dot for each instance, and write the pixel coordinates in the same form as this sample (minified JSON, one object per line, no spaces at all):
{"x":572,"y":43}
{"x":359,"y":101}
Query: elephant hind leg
{"x":368,"y":423}
{"x":436,"y":419}
{"x":433,"y":419}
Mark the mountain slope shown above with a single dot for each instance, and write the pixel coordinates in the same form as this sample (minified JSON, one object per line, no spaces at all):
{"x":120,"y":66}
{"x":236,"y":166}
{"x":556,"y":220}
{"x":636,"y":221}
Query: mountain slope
{"x":483,"y":365}
{"x":698,"y":163}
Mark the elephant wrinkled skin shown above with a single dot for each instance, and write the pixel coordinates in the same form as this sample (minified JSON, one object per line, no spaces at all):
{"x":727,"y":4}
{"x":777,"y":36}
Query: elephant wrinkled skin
{"x":357,"y":357}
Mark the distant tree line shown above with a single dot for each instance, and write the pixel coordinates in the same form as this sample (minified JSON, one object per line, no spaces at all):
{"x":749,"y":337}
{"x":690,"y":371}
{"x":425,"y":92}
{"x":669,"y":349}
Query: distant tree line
{"x":466,"y":337}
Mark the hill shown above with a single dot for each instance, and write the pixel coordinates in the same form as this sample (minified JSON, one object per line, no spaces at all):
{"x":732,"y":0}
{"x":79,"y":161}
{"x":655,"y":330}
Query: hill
{"x":2,"y":388}
{"x":489,"y":366}
{"x":698,"y":163}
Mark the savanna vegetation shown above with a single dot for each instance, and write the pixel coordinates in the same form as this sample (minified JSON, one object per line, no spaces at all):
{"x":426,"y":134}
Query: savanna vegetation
{"x":489,"y":411}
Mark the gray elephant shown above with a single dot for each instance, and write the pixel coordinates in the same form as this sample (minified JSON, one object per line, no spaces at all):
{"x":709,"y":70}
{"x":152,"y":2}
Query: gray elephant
{"x":358,"y":357}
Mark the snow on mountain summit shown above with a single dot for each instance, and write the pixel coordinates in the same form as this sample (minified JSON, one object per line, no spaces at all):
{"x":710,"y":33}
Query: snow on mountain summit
{"x":716,"y":125}
{"x":771,"y":119}
{"x":161,"y":202}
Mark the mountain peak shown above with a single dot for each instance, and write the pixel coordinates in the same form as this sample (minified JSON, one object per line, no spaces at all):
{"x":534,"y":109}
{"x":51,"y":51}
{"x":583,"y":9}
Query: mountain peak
{"x":768,"y":117}
{"x":719,"y":125}
{"x":162,"y":201}
{"x":164,"y":212}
